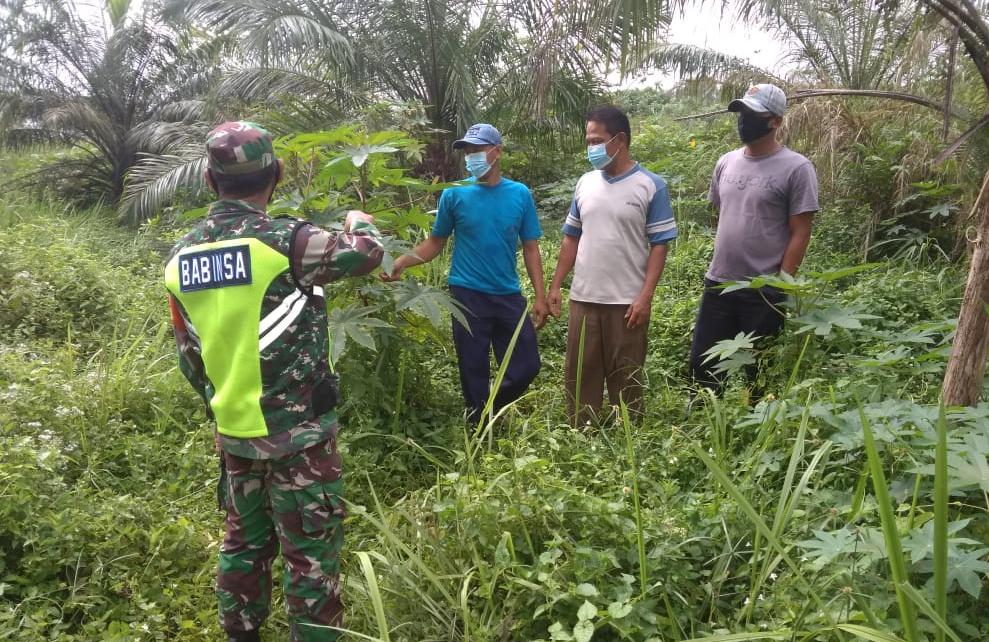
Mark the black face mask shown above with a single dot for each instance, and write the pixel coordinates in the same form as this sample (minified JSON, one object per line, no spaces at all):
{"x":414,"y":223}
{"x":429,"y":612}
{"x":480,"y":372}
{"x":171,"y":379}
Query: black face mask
{"x":752,"y":126}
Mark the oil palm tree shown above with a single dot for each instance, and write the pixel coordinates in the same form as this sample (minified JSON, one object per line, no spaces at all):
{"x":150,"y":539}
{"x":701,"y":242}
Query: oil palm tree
{"x":533,"y":67}
{"x":538,"y":61}
{"x":114,"y":86}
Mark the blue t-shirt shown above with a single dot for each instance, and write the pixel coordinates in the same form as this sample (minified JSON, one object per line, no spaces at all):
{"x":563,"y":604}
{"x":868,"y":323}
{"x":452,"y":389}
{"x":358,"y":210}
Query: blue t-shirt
{"x":487,"y":223}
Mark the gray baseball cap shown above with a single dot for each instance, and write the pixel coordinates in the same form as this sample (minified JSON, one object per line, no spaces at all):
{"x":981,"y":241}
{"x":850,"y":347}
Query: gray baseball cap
{"x":761,"y":98}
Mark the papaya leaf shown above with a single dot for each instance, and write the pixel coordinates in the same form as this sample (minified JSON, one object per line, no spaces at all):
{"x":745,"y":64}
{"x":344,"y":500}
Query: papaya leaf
{"x":427,"y":301}
{"x":823,"y":321}
{"x":729,"y":347}
{"x":352,"y":322}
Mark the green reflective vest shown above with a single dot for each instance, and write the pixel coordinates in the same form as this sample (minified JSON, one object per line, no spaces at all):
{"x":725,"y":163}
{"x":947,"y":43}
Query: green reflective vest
{"x":262,"y":339}
{"x":220,"y":286}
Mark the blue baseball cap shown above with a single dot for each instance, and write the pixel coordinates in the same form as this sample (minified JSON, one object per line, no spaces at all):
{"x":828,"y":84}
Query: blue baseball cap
{"x":479,"y":134}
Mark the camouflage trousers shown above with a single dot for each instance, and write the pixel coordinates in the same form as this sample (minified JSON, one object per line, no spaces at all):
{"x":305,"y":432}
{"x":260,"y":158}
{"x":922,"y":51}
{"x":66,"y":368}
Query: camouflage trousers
{"x":293,"y":502}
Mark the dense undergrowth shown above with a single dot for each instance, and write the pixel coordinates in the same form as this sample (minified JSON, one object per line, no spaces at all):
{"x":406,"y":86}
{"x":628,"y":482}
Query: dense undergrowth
{"x":755,"y":517}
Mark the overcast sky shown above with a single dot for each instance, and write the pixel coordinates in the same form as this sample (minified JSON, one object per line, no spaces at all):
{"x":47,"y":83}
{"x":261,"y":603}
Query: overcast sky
{"x":705,"y":27}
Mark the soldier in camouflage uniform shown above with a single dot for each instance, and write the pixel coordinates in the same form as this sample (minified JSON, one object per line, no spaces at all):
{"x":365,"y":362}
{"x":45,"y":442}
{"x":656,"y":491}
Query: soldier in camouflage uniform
{"x":250,"y":321}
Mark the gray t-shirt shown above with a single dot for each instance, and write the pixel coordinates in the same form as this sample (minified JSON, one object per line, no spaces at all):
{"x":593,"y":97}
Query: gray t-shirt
{"x":755,"y":198}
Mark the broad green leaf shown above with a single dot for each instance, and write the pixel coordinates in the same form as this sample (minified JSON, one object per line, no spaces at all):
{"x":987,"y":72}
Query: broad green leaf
{"x":728,"y":347}
{"x":352,"y":322}
{"x":502,"y":557}
{"x":583,"y":631}
{"x":822,"y":321}
{"x":839,"y":273}
{"x":887,"y":358}
{"x":558,"y":632}
{"x":828,"y":545}
{"x":427,"y":301}
{"x":735,"y":362}
{"x":966,"y":567}
{"x":585,"y":590}
{"x":919,"y":543}
{"x":618,"y":610}
{"x":359,"y":155}
{"x":587,"y":611}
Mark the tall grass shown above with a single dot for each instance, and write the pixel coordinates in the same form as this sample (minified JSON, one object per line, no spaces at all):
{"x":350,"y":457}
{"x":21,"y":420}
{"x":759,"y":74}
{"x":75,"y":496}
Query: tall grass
{"x":891,"y":533}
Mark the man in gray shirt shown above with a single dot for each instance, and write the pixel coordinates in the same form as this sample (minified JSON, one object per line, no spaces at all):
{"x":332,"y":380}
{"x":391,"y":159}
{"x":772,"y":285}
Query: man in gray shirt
{"x":766,"y":196}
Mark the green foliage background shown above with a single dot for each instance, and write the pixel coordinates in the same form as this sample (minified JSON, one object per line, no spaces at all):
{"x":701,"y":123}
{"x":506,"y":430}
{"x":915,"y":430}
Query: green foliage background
{"x":751,"y":518}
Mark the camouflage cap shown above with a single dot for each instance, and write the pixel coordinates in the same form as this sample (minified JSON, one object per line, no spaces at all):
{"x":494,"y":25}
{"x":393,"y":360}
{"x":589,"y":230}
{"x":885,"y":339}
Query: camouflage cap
{"x":239,"y":147}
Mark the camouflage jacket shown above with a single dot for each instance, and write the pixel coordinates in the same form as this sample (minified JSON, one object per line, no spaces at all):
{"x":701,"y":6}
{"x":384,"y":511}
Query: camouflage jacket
{"x":294,"y":361}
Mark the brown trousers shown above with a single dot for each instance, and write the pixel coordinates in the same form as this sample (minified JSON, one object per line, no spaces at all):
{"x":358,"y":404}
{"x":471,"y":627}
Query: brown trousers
{"x":613,"y":354}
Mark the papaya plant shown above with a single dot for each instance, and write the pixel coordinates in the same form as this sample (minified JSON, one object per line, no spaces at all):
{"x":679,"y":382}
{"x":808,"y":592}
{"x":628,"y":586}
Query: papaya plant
{"x":331,"y":172}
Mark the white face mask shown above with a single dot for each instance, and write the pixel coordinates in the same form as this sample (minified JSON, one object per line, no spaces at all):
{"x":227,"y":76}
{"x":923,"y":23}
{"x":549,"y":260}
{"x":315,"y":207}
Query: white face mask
{"x":477,"y":164}
{"x":598,"y":154}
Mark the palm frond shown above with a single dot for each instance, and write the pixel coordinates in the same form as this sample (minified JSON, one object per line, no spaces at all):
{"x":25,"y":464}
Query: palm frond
{"x":158,"y":137}
{"x":115,"y":87}
{"x":184,"y":110}
{"x":20,"y":138}
{"x":274,"y":26}
{"x":734,"y":74}
{"x":155,"y":181}
{"x":262,"y":83}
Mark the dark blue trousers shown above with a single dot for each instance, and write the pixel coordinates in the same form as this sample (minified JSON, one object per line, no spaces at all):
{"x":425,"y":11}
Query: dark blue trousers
{"x":722,"y":316}
{"x":492,"y":319}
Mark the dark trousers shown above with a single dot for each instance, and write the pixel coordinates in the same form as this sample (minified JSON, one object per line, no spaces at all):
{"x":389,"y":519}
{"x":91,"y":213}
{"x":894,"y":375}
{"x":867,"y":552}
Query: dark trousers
{"x":723,"y":316}
{"x":493,"y":319}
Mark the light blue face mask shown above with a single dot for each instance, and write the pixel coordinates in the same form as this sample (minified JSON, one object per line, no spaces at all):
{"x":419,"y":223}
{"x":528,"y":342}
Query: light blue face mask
{"x":598,"y":154}
{"x":477,"y":164}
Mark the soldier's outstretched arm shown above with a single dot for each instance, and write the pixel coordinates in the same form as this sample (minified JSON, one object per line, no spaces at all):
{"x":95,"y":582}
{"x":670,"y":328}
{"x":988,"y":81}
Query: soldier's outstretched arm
{"x":320,"y":256}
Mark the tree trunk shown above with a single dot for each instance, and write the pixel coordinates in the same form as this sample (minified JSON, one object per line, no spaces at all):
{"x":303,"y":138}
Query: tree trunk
{"x":967,"y":365}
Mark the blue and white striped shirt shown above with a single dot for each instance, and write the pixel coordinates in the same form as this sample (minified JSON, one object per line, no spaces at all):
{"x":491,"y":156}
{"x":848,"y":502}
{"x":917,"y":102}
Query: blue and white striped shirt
{"x":617,"y":220}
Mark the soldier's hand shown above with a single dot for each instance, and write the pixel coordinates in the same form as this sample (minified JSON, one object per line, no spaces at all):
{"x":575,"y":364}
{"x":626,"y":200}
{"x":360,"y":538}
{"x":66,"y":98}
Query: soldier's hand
{"x":216,"y":442}
{"x":353,"y":216}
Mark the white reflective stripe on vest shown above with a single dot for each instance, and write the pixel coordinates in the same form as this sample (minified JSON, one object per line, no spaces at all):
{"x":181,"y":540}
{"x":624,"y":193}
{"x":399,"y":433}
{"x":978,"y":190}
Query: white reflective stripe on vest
{"x":283,"y":308}
{"x":276,"y":331}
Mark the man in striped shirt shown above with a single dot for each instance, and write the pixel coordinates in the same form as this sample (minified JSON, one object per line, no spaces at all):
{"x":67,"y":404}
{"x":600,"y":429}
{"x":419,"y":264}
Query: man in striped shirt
{"x":615,"y":240}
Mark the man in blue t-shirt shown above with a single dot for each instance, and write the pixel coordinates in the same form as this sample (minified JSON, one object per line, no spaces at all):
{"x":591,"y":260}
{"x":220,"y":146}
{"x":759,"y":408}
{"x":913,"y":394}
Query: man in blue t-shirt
{"x":488,"y":217}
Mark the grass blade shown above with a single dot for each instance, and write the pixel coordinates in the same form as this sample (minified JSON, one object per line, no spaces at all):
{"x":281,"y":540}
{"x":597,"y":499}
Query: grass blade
{"x":633,"y":469}
{"x":925,"y":607}
{"x":897,"y":562}
{"x":941,"y":523}
{"x":755,"y":518}
{"x":741,"y":637}
{"x":577,"y":406}
{"x":488,"y":413}
{"x":465,"y":605}
{"x":867,"y":633}
{"x":375,"y":594}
